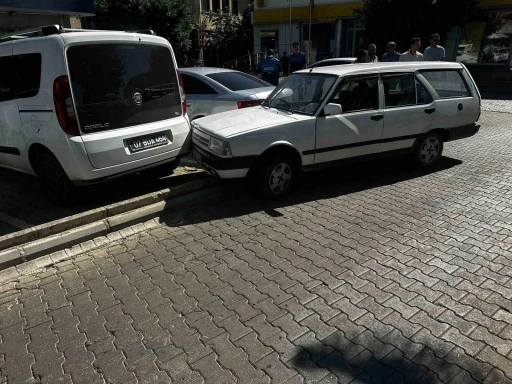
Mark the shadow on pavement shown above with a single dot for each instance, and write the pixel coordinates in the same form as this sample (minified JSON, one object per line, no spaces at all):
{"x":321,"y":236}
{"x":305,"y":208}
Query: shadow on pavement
{"x":319,"y":185}
{"x":22,"y":198}
{"x":493,"y":95}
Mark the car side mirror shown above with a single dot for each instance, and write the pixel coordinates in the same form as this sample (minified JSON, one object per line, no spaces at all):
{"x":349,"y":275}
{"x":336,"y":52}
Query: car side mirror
{"x":332,"y":109}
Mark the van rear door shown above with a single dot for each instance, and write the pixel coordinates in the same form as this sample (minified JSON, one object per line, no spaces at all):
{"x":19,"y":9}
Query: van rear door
{"x":128,"y":101}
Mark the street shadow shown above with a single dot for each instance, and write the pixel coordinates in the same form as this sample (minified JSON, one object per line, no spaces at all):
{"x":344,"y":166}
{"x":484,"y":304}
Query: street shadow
{"x":495,"y":95}
{"x":313,"y":186}
{"x":349,"y":361}
{"x":22,"y":197}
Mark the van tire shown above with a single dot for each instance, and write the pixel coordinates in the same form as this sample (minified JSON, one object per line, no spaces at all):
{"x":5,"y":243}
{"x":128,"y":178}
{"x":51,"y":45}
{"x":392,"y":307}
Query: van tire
{"x":277,"y":176}
{"x":54,"y":180}
{"x":428,"y":150}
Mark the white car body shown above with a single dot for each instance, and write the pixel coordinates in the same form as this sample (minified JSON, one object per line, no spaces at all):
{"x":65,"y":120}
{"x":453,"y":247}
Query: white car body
{"x":317,"y":139}
{"x":95,"y":151}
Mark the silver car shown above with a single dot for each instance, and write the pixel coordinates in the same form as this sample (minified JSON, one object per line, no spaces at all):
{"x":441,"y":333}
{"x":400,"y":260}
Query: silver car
{"x":213,"y":90}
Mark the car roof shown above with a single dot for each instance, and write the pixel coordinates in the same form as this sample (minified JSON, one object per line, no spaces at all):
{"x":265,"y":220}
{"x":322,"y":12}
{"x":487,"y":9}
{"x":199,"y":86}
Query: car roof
{"x":366,"y":68}
{"x":337,"y":59}
{"x":205,"y":70}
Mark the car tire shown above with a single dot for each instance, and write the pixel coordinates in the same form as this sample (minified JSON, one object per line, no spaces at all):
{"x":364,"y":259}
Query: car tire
{"x":54,"y":180}
{"x":277,"y":176}
{"x":429,"y":149}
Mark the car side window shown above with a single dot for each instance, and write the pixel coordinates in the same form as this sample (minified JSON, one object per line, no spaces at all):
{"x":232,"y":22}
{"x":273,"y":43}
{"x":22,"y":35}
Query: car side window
{"x":7,"y":80}
{"x":404,"y":90}
{"x":195,"y":86}
{"x":357,"y":94}
{"x":448,"y":84}
{"x":29,"y":74}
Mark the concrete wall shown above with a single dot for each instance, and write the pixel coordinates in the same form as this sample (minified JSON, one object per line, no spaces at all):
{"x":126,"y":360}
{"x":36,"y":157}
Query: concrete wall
{"x":26,"y":21}
{"x":283,"y":30}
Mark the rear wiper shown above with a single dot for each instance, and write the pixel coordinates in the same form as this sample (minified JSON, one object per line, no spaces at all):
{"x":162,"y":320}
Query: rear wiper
{"x":156,"y":92}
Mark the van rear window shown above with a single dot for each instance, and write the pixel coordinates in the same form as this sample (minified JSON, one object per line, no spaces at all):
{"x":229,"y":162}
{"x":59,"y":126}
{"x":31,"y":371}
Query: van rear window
{"x":118,"y":85}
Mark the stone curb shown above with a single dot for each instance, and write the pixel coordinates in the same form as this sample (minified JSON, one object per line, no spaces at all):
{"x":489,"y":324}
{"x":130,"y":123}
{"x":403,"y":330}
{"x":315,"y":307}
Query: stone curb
{"x":103,"y":227}
{"x":54,"y":227}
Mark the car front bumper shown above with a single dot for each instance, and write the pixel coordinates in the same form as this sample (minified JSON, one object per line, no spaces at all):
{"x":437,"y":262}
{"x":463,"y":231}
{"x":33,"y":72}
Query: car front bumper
{"x":225,"y":168}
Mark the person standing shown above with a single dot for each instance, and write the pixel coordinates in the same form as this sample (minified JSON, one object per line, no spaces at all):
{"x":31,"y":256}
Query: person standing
{"x":297,"y":59}
{"x":285,"y":64}
{"x":391,"y":56}
{"x":412,"y":54}
{"x":435,"y":52}
{"x":270,"y":69}
{"x":362,"y":57}
{"x":372,"y":54}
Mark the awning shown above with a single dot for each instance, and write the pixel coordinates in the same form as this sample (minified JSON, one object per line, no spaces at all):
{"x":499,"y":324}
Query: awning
{"x":49,"y":7}
{"x":496,"y":36}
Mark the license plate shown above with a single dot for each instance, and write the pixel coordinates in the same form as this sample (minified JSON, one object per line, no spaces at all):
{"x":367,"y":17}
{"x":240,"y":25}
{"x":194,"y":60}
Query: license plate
{"x":196,"y":156}
{"x":147,"y":142}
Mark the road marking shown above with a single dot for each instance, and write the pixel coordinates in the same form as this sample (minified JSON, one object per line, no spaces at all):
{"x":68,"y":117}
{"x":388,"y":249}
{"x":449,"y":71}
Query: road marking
{"x":14,"y":222}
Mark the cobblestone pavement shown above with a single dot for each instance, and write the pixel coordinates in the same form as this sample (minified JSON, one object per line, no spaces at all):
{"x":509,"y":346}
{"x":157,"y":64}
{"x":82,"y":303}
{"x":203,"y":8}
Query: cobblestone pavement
{"x":23,"y":204}
{"x":503,"y":106}
{"x":380,"y":274}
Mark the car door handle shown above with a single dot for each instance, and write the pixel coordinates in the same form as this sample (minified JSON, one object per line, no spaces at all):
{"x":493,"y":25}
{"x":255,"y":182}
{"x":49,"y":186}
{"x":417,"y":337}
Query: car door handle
{"x":378,"y":117}
{"x":430,"y":110}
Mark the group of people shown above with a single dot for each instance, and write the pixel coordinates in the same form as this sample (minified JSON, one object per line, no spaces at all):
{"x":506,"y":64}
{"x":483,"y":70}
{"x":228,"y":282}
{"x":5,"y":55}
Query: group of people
{"x":271,"y":69}
{"x":432,"y":53}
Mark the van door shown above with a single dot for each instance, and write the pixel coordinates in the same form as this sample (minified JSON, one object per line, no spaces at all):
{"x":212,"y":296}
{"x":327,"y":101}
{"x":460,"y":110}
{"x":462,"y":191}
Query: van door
{"x":409,"y":110}
{"x":12,"y":143}
{"x":358,"y":130}
{"x":128,"y":101}
{"x":455,"y":105}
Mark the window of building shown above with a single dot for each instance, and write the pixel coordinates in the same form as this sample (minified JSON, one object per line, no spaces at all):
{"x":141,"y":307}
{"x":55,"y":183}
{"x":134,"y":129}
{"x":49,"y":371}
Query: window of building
{"x":225,"y":6}
{"x":7,"y":80}
{"x":404,"y":90}
{"x":29,"y":74}
{"x":234,"y":7}
{"x":477,"y":46}
{"x":358,"y":94}
{"x":205,"y":5}
{"x":448,"y":84}
{"x":216,"y":6}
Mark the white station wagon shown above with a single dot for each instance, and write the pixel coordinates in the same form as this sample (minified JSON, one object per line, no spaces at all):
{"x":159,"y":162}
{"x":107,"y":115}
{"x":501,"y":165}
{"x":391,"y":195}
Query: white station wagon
{"x":331,"y":115}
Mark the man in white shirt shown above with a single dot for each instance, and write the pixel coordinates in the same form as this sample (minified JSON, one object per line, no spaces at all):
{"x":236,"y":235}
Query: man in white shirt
{"x":412,"y":54}
{"x":435,"y":52}
{"x":372,"y":54}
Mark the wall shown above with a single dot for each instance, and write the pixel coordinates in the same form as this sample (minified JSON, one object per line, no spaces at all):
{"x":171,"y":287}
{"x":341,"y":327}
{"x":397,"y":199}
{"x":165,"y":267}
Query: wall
{"x":283,"y":29}
{"x":80,"y":7}
{"x":272,"y":4}
{"x":26,"y":21}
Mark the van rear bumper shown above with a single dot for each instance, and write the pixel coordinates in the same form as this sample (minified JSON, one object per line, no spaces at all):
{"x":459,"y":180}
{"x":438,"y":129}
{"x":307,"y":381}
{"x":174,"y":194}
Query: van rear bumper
{"x":95,"y":176}
{"x":463,"y":132}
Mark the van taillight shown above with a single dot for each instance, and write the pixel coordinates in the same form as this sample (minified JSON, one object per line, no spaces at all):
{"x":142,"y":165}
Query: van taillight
{"x":249,"y":103}
{"x":64,"y":107}
{"x":182,"y":93}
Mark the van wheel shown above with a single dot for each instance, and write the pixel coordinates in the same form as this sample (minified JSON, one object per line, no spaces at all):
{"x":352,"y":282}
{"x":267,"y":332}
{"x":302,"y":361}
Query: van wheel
{"x":277,"y":176}
{"x":53,"y":179}
{"x":429,"y":149}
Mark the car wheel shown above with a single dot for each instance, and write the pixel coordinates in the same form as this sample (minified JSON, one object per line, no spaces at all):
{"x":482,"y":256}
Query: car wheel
{"x":429,"y":149}
{"x":277,"y":176}
{"x":53,"y":179}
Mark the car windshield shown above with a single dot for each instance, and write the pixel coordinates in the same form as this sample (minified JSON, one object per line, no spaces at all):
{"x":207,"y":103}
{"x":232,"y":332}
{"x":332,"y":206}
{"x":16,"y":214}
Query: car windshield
{"x":238,"y":81}
{"x":301,"y":93}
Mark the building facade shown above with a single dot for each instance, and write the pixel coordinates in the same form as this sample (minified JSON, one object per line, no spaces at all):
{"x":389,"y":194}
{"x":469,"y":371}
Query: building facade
{"x":25,"y":14}
{"x":336,"y":32}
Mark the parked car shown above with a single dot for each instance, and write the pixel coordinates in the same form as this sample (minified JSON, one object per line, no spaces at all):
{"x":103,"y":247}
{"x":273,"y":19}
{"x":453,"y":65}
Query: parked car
{"x":214,"y":90}
{"x":84,"y":107}
{"x":335,"y":61}
{"x":333,"y":115}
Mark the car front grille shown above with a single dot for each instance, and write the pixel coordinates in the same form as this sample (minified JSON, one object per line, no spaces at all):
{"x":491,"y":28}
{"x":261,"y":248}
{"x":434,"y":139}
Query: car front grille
{"x":200,"y":140}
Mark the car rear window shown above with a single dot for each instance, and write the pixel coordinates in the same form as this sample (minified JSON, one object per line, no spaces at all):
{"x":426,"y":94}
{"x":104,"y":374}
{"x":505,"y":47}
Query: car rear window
{"x":120,"y":85}
{"x":237,"y":81}
{"x":448,"y":84}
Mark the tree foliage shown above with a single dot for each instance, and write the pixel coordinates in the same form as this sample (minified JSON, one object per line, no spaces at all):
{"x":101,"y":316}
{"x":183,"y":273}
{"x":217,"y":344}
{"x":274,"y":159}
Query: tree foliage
{"x":400,"y":20}
{"x":172,"y":19}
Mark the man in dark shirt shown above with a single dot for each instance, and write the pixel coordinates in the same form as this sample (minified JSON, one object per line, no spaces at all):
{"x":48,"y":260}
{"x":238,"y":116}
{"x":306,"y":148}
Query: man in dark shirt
{"x":297,"y":59}
{"x":285,"y":64}
{"x":270,"y":69}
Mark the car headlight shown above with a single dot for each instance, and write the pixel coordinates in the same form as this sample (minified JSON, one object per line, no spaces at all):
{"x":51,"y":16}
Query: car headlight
{"x":219,"y":147}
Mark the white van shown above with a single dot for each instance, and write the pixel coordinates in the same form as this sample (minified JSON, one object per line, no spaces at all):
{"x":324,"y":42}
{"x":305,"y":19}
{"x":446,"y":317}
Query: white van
{"x":80,"y":106}
{"x":328,"y":116}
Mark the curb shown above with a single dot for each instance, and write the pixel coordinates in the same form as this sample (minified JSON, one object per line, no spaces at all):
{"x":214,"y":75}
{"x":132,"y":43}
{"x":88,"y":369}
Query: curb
{"x":55,"y":227}
{"x":105,"y":226}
